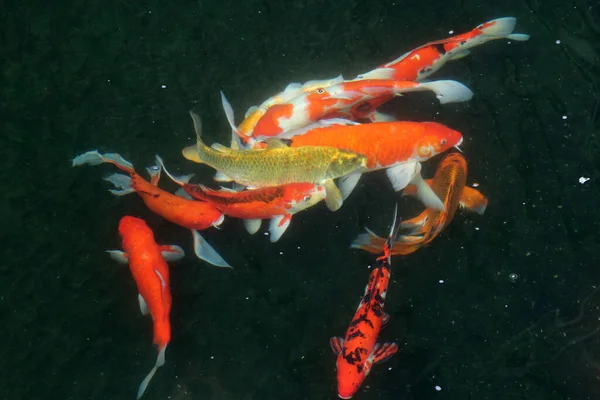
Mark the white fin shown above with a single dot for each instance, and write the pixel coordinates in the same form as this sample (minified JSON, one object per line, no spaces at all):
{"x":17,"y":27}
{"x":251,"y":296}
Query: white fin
{"x":250,"y":111}
{"x":348,"y":182}
{"x":172,"y":253}
{"x":294,"y":87}
{"x":424,"y":192}
{"x":183,"y":194}
{"x":121,"y":182}
{"x":252,"y":225}
{"x":119,"y":256}
{"x":237,"y":187}
{"x":317,"y":124}
{"x":221,"y":177}
{"x":278,"y":225}
{"x":500,"y":27}
{"x":160,"y":361}
{"x":459,"y":55}
{"x":180,"y":180}
{"x":378,"y":116}
{"x":205,"y":251}
{"x":400,"y":175}
{"x":448,"y":91}
{"x":323,"y":83}
{"x":95,"y":158}
{"x":143,"y":305}
{"x":519,"y":37}
{"x":333,"y":196}
{"x":378,"y":73}
{"x":229,"y":113}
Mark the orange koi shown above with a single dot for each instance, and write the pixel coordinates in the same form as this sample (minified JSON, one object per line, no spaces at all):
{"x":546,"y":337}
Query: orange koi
{"x":151,"y":274}
{"x":193,"y":215}
{"x":358,"y":351}
{"x":397,"y":147}
{"x":277,"y":203}
{"x":327,"y":102}
{"x":448,"y":184}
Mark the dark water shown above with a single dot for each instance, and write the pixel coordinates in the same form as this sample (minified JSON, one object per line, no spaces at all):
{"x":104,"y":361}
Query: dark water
{"x":89,"y":75}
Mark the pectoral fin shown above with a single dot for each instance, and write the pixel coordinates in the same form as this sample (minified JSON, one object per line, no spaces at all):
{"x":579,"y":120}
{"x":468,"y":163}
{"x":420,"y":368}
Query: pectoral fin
{"x":171,"y":252}
{"x":252,"y":225}
{"x":348,"y":182}
{"x":143,"y":306}
{"x":424,"y":192}
{"x":337,"y":344}
{"x":119,"y":256}
{"x":400,"y":175}
{"x":473,"y":200}
{"x":205,"y":251}
{"x":278,"y":226}
{"x":221,"y":177}
{"x":333,"y":196}
{"x":383,"y":352}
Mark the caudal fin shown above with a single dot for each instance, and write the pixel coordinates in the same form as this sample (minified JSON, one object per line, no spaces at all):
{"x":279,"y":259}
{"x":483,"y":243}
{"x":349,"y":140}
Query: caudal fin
{"x":160,"y":361}
{"x":448,"y":91}
{"x":95,"y":158}
{"x":501,"y":28}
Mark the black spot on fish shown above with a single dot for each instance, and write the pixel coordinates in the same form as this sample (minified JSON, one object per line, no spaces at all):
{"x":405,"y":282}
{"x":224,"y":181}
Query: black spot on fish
{"x":357,"y":333}
{"x":362,"y":318}
{"x":359,"y":368}
{"x":440,"y":48}
{"x":353,"y":357}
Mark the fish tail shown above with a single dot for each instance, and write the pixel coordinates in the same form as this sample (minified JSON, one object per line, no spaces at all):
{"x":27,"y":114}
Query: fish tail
{"x":199,"y":152}
{"x":502,"y":28}
{"x":180,"y":180}
{"x":389,"y":243}
{"x":95,"y":158}
{"x":368,"y":242}
{"x":160,"y":361}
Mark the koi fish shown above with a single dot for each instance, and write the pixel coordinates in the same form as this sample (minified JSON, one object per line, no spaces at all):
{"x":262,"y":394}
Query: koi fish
{"x":331,"y":101}
{"x":397,"y":147}
{"x":254,"y":113}
{"x":448,"y":184}
{"x":147,"y":262}
{"x":358,"y":351}
{"x":277,"y":203}
{"x":423,"y":61}
{"x":193,"y":215}
{"x":277,"y":165}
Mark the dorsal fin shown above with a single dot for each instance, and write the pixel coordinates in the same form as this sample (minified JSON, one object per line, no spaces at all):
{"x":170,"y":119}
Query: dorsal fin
{"x":275,"y":143}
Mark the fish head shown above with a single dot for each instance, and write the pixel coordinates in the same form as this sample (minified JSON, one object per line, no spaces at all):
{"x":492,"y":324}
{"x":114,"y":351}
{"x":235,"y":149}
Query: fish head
{"x":301,"y":196}
{"x":437,"y":139}
{"x":129,"y":225}
{"x":350,"y":376}
{"x":344,"y":162}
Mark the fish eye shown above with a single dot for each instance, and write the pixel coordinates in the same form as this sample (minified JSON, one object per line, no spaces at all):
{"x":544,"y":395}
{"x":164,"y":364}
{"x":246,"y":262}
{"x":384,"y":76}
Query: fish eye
{"x":154,"y":168}
{"x":320,"y":90}
{"x":443,"y":142}
{"x":307,"y":198}
{"x":360,"y":76}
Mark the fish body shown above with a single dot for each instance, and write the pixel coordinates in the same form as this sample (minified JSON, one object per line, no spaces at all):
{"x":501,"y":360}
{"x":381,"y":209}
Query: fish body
{"x":277,"y":203}
{"x":358,"y":351}
{"x":150,"y":271}
{"x":278,"y":165}
{"x":420,"y":63}
{"x":292,"y":90}
{"x":194,"y":215}
{"x":334,"y":100}
{"x":396,"y":146}
{"x":448,"y":184}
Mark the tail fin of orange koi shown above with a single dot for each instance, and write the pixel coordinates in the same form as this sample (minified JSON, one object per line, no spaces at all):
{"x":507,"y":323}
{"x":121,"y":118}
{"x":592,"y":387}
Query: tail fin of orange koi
{"x":95,"y":158}
{"x":160,"y":361}
{"x":180,"y":180}
{"x":206,"y":252}
{"x":502,"y":28}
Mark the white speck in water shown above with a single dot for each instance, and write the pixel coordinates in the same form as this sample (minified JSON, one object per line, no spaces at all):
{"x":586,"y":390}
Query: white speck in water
{"x":298,"y":247}
{"x":450,"y":32}
{"x":583,"y":180}
{"x":475,"y":184}
{"x":476,"y":228}
{"x":281,"y":253}
{"x":212,"y":357}
{"x":163,"y":86}
{"x":564,"y":117}
{"x":266,"y":233}
{"x":247,"y":298}
{"x":390,"y":368}
{"x":441,"y":281}
{"x":557,"y":41}
{"x":438,"y":388}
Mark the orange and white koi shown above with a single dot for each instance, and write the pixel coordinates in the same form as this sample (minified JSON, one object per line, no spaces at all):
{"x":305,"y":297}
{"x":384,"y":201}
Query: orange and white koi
{"x":150,"y":271}
{"x":448,"y":184}
{"x":423,"y":61}
{"x":194,"y":215}
{"x":358,"y":351}
{"x":420,"y":63}
{"x":332,"y":101}
{"x":276,"y":203}
{"x":398,"y":147}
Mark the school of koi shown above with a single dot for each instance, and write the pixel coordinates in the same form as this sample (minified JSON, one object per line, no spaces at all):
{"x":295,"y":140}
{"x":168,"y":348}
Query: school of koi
{"x":286,"y":156}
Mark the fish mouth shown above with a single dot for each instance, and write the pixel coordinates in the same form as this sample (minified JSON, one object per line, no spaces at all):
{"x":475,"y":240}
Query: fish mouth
{"x":457,"y":145}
